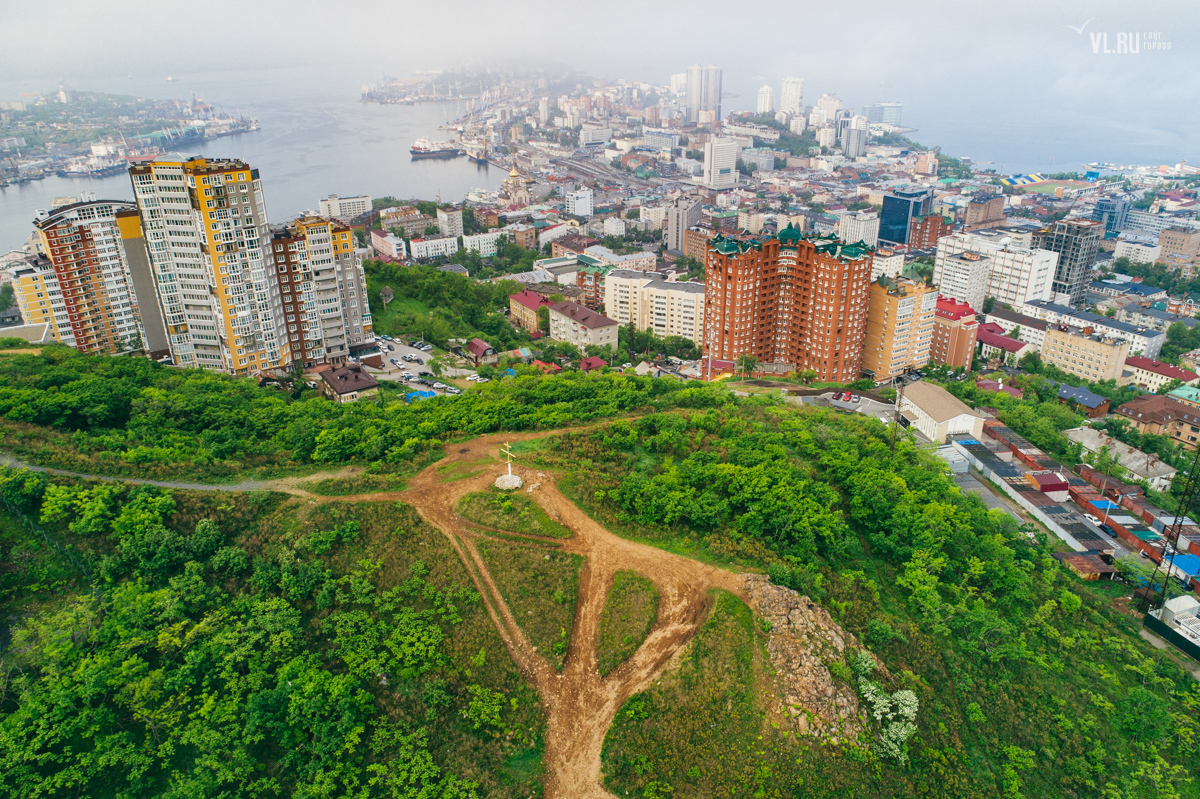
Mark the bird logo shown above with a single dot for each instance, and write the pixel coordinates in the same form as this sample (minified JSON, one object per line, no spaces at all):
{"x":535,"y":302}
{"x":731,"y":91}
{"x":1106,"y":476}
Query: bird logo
{"x":1079,"y":30}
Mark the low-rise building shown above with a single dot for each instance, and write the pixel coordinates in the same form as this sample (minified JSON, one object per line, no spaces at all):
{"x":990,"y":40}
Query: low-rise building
{"x":523,"y":308}
{"x":955,"y":329}
{"x":579,"y":325}
{"x":348,"y":383}
{"x":522,"y":235}
{"x":481,"y":353}
{"x":486,"y":244}
{"x":1130,"y":463}
{"x":1152,"y":375}
{"x":344,"y":209}
{"x":1019,"y":326}
{"x":996,"y":345}
{"x":388,"y":246}
{"x":1163,"y":416}
{"x":407,"y":219}
{"x":439,"y":247}
{"x":641,"y":261}
{"x":1090,"y":355}
{"x":937,"y":413}
{"x":1142,"y":341}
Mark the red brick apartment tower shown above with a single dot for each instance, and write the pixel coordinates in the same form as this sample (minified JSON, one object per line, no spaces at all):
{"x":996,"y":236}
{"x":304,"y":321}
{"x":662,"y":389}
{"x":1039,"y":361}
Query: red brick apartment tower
{"x":789,"y":299}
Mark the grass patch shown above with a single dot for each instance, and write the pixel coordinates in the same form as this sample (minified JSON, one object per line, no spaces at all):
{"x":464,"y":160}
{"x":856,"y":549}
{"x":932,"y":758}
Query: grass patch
{"x":359,"y":484}
{"x":463,"y":470}
{"x":629,"y":612}
{"x":541,"y":588}
{"x":512,"y":511}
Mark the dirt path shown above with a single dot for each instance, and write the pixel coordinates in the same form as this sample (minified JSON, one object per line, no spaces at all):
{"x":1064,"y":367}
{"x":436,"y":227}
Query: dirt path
{"x":580,"y":705}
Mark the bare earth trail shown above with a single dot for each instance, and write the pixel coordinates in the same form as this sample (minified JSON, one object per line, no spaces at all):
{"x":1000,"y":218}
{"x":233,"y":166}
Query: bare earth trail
{"x":580,"y":704}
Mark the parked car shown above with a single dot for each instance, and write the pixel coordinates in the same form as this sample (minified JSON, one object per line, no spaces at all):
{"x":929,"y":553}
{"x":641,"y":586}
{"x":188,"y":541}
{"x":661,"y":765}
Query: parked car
{"x":1091,"y":518}
{"x":439,"y":385}
{"x":857,"y":398}
{"x":453,"y":390}
{"x":394,"y":361}
{"x":423,"y":373}
{"x":472,"y":378}
{"x":483,"y":380}
{"x":1108,"y":530}
{"x":426,"y":347}
{"x":386,"y":338}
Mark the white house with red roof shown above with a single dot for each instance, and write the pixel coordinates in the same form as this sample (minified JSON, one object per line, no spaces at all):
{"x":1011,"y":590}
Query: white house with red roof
{"x":1153,"y":375}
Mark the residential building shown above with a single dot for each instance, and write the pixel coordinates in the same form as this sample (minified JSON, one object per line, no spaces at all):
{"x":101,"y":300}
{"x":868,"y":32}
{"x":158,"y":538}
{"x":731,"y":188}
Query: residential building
{"x":571,"y":244}
{"x":1023,"y":328}
{"x":486,"y":244}
{"x":388,"y":245}
{"x":720,"y":163}
{"x":83,"y":285}
{"x":1077,"y":241}
{"x":1163,"y":415}
{"x":579,"y":325}
{"x":1113,"y":213}
{"x":683,"y":214}
{"x":1178,"y":241}
{"x":695,"y":242}
{"x":984,"y":211}
{"x":204,"y":222}
{"x":1138,"y":252}
{"x":579,"y":202}
{"x":344,"y":209}
{"x":936,"y":413}
{"x":1142,"y":341}
{"x":449,"y":221}
{"x":963,"y":276}
{"x":854,"y":142}
{"x":861,"y":226}
{"x":641,"y":261}
{"x":1082,"y":399}
{"x":1092,"y":356}
{"x":480,"y":353}
{"x":435,"y":247}
{"x":955,"y":328}
{"x":766,"y":100}
{"x":1152,"y":375}
{"x":925,"y":231}
{"x":592,"y":135}
{"x":791,"y":95}
{"x":996,"y":345}
{"x":1152,"y":318}
{"x":1131,"y":464}
{"x":886,"y":113}
{"x":703,"y":92}
{"x":614,"y":226}
{"x":885,"y":261}
{"x":407,"y":220}
{"x":750,"y":221}
{"x":900,"y":319}
{"x":669,"y":308}
{"x":348,"y":384}
{"x":654,"y":215}
{"x":790,"y":299}
{"x":1015,"y":274}
{"x":899,"y":208}
{"x":322,"y":290}
{"x":522,"y":235}
{"x":523,"y":308}
{"x":761,"y":158}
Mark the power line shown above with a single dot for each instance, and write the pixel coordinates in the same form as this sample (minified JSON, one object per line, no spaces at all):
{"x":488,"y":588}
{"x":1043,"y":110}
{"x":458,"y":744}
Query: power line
{"x":1172,"y":532}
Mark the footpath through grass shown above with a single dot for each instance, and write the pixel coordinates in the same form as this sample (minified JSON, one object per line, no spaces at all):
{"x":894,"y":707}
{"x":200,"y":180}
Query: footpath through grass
{"x":512,"y":511}
{"x":629,"y":612}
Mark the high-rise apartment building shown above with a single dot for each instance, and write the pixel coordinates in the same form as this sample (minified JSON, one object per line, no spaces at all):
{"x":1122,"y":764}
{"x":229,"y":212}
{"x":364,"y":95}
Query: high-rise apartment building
{"x":788,"y":299}
{"x":1015,"y":274}
{"x":984,"y":211}
{"x":344,"y":208}
{"x":82,"y":286}
{"x":859,"y":226}
{"x":899,"y":208}
{"x":684,"y":213}
{"x":703,"y":91}
{"x":964,"y":276}
{"x":854,"y":142}
{"x":885,"y":261}
{"x":766,"y":100}
{"x":1077,"y":241}
{"x":791,"y":95}
{"x":899,"y":336}
{"x":955,"y":329}
{"x":205,"y":226}
{"x":886,"y":113}
{"x":720,"y":163}
{"x":830,"y":104}
{"x":1113,"y":212}
{"x":924,"y":231}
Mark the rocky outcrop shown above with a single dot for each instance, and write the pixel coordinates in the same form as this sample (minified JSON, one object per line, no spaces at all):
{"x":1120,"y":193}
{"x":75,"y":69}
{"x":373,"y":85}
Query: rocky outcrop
{"x":804,"y":641}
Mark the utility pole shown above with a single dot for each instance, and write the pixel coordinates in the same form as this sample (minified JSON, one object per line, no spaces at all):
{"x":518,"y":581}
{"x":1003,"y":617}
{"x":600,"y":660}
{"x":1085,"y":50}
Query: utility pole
{"x":899,"y":383}
{"x":1172,"y":533}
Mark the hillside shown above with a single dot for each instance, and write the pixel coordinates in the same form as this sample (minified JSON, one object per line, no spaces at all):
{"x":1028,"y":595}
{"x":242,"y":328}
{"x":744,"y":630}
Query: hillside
{"x":778,"y":604}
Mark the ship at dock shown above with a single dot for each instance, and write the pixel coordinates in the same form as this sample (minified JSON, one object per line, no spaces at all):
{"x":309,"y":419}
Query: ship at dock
{"x":424,"y":148}
{"x":477,"y":151}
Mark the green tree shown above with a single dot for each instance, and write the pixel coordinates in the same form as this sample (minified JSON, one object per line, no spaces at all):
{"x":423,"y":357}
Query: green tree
{"x":747,"y":363}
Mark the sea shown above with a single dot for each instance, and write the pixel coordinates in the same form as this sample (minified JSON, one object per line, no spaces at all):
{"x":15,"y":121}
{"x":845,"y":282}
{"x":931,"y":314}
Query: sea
{"x":311,"y":144}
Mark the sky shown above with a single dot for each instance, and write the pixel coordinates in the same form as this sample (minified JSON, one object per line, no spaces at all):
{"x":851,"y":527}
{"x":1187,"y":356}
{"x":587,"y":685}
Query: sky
{"x":1001,"y":78}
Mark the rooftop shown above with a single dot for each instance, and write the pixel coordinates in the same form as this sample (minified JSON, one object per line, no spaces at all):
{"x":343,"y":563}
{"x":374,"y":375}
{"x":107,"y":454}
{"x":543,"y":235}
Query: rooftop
{"x":582,"y":315}
{"x":936,"y":402}
{"x":1136,"y":462}
{"x":1160,"y":368}
{"x":348,"y":379}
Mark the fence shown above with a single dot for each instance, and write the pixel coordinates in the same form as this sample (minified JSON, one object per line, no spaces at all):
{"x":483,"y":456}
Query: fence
{"x":1160,"y":628}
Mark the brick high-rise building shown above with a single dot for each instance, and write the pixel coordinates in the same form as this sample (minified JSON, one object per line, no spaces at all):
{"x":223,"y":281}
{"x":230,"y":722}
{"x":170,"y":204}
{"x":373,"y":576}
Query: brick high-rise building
{"x":899,"y":334}
{"x":955,"y":329}
{"x":82,"y":287}
{"x":984,"y":211}
{"x":788,"y":299}
{"x":925,"y":231}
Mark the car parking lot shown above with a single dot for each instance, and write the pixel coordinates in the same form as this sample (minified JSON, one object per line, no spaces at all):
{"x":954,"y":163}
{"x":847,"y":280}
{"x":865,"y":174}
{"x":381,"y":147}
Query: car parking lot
{"x":410,"y":365}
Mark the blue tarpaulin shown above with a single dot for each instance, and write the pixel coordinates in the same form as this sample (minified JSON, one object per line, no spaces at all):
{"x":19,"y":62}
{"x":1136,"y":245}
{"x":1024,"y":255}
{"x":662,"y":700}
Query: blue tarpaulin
{"x":1105,"y":504}
{"x":418,"y":395}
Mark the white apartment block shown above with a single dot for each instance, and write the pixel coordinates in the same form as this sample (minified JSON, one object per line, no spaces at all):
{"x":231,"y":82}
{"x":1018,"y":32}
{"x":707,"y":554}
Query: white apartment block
{"x":791,"y":95}
{"x":579,"y":202}
{"x":449,"y":222}
{"x":614,"y":226}
{"x":1142,"y":341}
{"x":433,"y":248}
{"x":670,"y":308}
{"x":964,"y":277}
{"x":656,"y":215}
{"x":486,"y":244}
{"x":1017,"y":274}
{"x":720,"y":163}
{"x":1137,"y":252}
{"x":640,"y":261}
{"x":860,"y":226}
{"x":344,"y":208}
{"x":886,"y":261}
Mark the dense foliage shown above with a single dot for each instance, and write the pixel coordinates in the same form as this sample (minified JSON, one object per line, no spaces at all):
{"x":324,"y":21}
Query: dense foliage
{"x":1031,"y":682}
{"x":179,"y":646}
{"x":121,"y":415}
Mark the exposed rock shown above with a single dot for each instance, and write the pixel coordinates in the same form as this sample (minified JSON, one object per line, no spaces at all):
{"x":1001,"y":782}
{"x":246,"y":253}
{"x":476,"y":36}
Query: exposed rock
{"x":803,"y":639}
{"x":508,"y":482}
